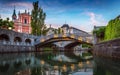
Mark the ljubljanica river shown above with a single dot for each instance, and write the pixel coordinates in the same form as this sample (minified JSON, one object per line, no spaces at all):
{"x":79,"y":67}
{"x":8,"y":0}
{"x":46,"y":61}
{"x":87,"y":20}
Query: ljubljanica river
{"x":56,"y":63}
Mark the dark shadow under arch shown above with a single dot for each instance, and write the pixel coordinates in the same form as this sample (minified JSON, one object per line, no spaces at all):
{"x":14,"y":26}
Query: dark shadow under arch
{"x":17,"y":39}
{"x":28,"y":41}
{"x":4,"y":37}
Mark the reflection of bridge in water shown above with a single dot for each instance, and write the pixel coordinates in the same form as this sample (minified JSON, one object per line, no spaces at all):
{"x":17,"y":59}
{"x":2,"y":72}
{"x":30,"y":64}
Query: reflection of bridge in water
{"x":16,"y":62}
{"x":76,"y":40}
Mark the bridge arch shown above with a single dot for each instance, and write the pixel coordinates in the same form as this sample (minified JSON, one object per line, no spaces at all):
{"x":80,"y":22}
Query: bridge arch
{"x":28,"y":41}
{"x":4,"y":37}
{"x":17,"y":39}
{"x":75,"y":43}
{"x":4,"y":68}
{"x":79,"y":39}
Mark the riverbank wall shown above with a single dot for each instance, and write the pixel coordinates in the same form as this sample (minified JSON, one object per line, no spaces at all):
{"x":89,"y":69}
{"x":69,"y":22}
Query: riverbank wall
{"x":108,"y":49}
{"x":16,"y":49}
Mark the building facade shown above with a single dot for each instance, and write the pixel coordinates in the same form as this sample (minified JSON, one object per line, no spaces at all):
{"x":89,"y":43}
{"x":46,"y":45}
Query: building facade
{"x":22,"y":23}
{"x":72,"y":30}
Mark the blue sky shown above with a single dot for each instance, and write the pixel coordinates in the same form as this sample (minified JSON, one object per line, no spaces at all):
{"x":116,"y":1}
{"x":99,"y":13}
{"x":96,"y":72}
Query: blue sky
{"x":82,"y":14}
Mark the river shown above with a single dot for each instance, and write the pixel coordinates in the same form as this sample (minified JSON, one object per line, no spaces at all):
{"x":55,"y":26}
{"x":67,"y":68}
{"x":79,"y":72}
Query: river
{"x":56,"y":63}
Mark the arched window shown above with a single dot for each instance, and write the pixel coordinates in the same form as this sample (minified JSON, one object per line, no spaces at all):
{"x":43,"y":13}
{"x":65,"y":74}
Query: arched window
{"x":25,"y":21}
{"x":4,"y":37}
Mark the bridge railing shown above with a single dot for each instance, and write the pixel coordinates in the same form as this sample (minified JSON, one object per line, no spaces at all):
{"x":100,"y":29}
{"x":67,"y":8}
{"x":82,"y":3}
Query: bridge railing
{"x":79,"y":37}
{"x":3,"y":42}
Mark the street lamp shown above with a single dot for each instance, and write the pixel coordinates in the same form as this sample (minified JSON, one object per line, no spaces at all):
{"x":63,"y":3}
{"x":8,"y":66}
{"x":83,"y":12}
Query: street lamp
{"x":10,"y":28}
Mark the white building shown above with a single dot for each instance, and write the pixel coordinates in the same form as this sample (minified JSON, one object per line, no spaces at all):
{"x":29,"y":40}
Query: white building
{"x":51,"y":31}
{"x":72,"y":30}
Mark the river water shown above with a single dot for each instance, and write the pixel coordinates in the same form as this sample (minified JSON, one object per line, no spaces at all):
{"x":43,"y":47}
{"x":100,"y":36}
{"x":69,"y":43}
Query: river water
{"x":56,"y":63}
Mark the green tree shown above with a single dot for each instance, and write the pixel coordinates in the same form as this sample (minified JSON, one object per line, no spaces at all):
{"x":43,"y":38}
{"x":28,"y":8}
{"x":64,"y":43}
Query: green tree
{"x":37,"y":20}
{"x":100,"y":33}
{"x":1,"y":22}
{"x":59,"y":31}
{"x":113,"y":29}
{"x":5,"y":24}
{"x":55,"y":31}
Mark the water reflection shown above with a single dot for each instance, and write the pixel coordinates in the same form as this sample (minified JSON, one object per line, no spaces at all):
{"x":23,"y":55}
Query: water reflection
{"x":106,"y":66}
{"x":55,"y":64}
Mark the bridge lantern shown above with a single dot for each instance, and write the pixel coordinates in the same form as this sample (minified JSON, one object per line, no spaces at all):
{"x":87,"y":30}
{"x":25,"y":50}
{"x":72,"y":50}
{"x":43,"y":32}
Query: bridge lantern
{"x":55,"y":67}
{"x":55,"y":35}
{"x":87,"y":62}
{"x":80,"y":64}
{"x":64,"y":35}
{"x":42,"y":40}
{"x":42,"y":62}
{"x":64,"y":68}
{"x":88,"y":41}
{"x":72,"y":67}
{"x":72,"y":36}
{"x":80,"y":38}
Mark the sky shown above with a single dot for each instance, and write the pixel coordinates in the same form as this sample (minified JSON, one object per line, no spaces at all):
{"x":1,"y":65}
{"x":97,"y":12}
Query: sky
{"x":81,"y":14}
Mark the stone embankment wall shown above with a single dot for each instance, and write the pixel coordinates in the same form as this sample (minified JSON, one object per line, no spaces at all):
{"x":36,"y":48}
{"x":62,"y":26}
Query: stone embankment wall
{"x":108,"y":49}
{"x":11,"y":41}
{"x":16,"y":48}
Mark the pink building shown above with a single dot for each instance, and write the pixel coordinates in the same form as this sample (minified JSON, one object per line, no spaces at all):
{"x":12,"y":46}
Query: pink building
{"x":22,"y":23}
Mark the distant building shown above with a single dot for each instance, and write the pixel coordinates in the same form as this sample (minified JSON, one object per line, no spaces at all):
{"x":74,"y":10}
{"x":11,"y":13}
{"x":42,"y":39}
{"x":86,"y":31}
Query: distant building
{"x":22,"y":23}
{"x":72,"y":30}
{"x":66,"y":29}
{"x":51,"y":30}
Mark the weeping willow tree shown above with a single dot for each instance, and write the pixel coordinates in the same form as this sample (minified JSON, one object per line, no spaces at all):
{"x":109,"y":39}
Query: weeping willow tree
{"x":37,"y":20}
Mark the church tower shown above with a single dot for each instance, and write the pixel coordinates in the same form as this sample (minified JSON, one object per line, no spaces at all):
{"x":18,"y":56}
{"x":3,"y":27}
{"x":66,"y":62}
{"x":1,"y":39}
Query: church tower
{"x":14,"y":17}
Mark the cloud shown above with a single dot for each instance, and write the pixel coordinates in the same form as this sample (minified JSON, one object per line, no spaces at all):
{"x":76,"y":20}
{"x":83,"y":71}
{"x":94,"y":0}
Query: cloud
{"x":96,"y":19}
{"x":21,"y":4}
{"x":6,"y":10}
{"x":92,"y":18}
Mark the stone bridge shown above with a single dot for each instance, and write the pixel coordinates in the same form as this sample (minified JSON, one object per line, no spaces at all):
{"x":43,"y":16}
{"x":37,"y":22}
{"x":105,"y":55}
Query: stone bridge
{"x":11,"y":41}
{"x":77,"y":39}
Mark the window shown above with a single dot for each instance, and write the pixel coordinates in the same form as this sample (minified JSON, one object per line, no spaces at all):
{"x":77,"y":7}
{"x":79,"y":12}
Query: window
{"x":25,"y":21}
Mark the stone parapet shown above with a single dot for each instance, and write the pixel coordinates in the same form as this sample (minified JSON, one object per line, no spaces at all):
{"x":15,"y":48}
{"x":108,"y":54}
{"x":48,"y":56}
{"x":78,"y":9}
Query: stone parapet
{"x":108,"y":48}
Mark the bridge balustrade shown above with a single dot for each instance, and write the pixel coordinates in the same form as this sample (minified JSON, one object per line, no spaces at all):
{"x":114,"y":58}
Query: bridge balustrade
{"x":4,"y":42}
{"x":79,"y":37}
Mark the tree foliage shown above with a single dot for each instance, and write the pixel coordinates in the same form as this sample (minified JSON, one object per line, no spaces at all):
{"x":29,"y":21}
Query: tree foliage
{"x":113,"y":29}
{"x":100,"y":33}
{"x":37,"y":20}
{"x":5,"y":24}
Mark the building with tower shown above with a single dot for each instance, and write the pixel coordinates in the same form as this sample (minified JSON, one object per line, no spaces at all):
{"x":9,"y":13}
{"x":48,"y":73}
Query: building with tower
{"x":22,"y":22}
